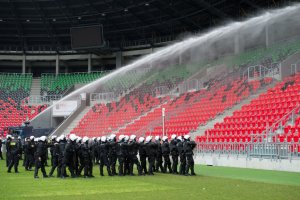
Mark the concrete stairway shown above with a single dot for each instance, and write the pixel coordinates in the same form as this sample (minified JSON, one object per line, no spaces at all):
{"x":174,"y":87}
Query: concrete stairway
{"x":35,"y":87}
{"x":75,"y":122}
{"x":210,"y":124}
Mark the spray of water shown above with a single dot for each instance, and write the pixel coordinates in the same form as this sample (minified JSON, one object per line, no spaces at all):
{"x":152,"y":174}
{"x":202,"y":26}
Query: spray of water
{"x":193,"y":53}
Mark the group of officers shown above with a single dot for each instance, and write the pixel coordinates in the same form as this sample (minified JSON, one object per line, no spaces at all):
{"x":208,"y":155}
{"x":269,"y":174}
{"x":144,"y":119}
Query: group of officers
{"x":80,"y":154}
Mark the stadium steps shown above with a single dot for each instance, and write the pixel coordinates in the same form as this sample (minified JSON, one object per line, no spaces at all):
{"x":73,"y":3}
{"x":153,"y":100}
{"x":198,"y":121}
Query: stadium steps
{"x":35,"y":87}
{"x":220,"y":118}
{"x":75,"y":122}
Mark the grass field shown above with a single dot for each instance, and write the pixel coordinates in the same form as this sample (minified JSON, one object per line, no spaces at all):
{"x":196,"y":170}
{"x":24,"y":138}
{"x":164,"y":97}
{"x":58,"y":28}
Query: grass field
{"x":210,"y":183}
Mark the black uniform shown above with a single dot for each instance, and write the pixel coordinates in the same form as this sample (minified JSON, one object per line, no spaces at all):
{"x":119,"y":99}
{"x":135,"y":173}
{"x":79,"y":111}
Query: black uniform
{"x":102,"y":152}
{"x":121,"y":153}
{"x":126,"y":159}
{"x":112,"y":156}
{"x":8,"y":151}
{"x":25,"y":152}
{"x":77,"y":157}
{"x":174,"y":154}
{"x":158,"y":157}
{"x":188,"y":147}
{"x":60,"y":152}
{"x":143,"y":157}
{"x":166,"y":154}
{"x":68,"y":159}
{"x":30,"y":150}
{"x":85,"y":157}
{"x":54,"y":149}
{"x":40,"y":159}
{"x":1,"y":157}
{"x":151,"y":151}
{"x":182,"y":157}
{"x":132,"y":153}
{"x":16,"y":153}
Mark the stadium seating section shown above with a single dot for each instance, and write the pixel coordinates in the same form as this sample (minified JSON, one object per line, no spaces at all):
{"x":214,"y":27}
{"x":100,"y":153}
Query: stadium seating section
{"x":185,"y":113}
{"x":261,"y":113}
{"x":14,"y":88}
{"x":52,"y":84}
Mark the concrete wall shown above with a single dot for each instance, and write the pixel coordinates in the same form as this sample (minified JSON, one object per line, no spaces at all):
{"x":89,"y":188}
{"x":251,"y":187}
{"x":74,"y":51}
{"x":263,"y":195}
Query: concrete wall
{"x":244,"y":162}
{"x":69,"y":120}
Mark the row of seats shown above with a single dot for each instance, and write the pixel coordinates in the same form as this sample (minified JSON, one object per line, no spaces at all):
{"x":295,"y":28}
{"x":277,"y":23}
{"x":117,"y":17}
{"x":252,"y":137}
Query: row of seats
{"x":52,"y":84}
{"x":13,"y":114}
{"x":262,"y":113}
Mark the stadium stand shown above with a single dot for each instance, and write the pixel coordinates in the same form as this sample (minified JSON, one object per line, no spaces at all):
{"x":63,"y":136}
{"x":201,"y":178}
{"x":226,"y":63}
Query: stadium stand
{"x":52,"y":84}
{"x":260,"y":114}
{"x":14,"y":88}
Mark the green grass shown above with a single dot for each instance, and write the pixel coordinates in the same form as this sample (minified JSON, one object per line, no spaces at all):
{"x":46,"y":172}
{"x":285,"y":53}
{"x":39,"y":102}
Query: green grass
{"x":210,"y":183}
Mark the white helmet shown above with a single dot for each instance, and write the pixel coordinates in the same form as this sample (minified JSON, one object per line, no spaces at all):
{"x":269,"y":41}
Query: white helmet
{"x":112,"y":136}
{"x":98,"y":139}
{"x":31,"y":137}
{"x":36,"y":139}
{"x":8,"y":136}
{"x":187,"y":137}
{"x":173,"y":137}
{"x":58,"y":139}
{"x":179,"y":138}
{"x":103,"y":139}
{"x":148,"y":139}
{"x":43,"y":138}
{"x":73,"y":137}
{"x":93,"y":138}
{"x":121,"y":137}
{"x":165,"y":138}
{"x":85,"y":139}
{"x":78,"y":139}
{"x":141,"y":139}
{"x":62,"y":137}
{"x":157,"y":138}
{"x":126,"y":138}
{"x":132,"y":137}
{"x":53,"y":137}
{"x":19,"y":137}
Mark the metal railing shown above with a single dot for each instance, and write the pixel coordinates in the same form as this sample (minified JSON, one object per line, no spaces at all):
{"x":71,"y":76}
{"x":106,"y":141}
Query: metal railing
{"x":277,"y":127}
{"x":260,"y":71}
{"x":38,"y":100}
{"x":103,"y":97}
{"x":274,"y":150}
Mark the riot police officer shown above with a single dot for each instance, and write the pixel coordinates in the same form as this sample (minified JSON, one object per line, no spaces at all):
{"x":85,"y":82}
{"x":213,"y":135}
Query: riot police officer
{"x":68,"y":159}
{"x":112,"y":153}
{"x":31,"y":148}
{"x":61,"y":149}
{"x":188,"y":147}
{"x":174,"y":153}
{"x":8,"y":149}
{"x":16,"y":153}
{"x":132,"y":153}
{"x":126,"y":156}
{"x":158,"y":156}
{"x":143,"y":155}
{"x":77,"y":155}
{"x":151,"y":150}
{"x":54,"y":154}
{"x":1,"y":157}
{"x":86,"y":161}
{"x":103,"y":156}
{"x":121,"y":148}
{"x":40,"y":157}
{"x":165,"y":148}
{"x":181,"y":156}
